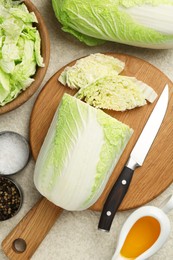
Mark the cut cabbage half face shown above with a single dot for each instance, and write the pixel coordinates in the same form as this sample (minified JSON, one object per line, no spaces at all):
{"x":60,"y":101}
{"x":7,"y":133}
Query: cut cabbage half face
{"x":117,"y":93}
{"x":79,"y":153}
{"x":89,"y":69}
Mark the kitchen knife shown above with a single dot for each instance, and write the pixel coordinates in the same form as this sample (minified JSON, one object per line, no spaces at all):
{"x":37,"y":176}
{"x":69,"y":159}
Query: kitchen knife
{"x":135,"y":160}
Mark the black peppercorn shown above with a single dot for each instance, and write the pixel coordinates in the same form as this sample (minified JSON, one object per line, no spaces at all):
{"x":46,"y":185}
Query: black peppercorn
{"x":10,"y":198}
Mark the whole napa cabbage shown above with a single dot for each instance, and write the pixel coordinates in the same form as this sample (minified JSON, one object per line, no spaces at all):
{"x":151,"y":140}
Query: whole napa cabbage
{"x":142,"y":23}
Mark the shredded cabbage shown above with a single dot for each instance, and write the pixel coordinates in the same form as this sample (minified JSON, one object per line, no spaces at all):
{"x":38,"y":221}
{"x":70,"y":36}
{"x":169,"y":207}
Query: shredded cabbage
{"x":79,"y":153}
{"x":19,"y":49}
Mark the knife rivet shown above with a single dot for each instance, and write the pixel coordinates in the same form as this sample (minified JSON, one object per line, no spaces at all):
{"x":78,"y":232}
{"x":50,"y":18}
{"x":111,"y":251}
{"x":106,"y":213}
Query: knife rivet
{"x":124,"y":182}
{"x":108,"y":213}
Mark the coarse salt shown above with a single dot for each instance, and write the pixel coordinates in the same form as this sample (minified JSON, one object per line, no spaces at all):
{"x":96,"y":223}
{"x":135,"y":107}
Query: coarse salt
{"x":14,"y":153}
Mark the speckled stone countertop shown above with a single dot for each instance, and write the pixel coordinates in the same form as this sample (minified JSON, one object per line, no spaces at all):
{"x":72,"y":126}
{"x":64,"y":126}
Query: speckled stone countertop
{"x":74,"y":235}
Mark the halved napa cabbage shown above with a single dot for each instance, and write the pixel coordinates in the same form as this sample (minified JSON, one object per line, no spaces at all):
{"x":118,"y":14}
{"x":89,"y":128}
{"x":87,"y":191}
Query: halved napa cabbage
{"x":79,"y":153}
{"x":88,"y":69}
{"x":117,"y":93}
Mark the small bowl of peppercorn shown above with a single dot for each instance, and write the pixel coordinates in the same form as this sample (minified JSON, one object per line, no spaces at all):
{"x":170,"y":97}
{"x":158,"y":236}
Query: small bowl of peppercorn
{"x":10,"y":198}
{"x":14,"y":156}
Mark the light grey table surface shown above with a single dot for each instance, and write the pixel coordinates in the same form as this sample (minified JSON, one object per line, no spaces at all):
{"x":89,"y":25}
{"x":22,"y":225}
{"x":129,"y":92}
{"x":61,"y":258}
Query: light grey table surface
{"x":74,"y":235}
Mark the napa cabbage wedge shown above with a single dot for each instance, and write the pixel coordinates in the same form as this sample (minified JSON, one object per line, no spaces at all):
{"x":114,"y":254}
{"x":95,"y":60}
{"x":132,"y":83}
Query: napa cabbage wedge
{"x":97,"y":79}
{"x":79,"y":153}
{"x":88,"y":69}
{"x":137,"y":22}
{"x":20,"y":49}
{"x":117,"y":93}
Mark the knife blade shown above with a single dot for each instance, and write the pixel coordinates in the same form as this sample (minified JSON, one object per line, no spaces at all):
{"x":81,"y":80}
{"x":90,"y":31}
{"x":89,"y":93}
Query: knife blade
{"x":136,"y":159}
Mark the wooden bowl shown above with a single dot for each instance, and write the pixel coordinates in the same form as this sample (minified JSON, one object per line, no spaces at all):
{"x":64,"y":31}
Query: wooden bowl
{"x":40,"y":72}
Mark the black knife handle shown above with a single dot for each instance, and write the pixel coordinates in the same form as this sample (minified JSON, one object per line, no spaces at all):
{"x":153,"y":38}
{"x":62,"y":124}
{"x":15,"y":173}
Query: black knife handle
{"x":115,"y":198}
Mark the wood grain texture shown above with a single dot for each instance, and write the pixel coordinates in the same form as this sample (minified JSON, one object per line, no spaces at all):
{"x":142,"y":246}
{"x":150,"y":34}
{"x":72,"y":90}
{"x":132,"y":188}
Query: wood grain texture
{"x":40,"y":73}
{"x":32,"y":229}
{"x":148,"y":181}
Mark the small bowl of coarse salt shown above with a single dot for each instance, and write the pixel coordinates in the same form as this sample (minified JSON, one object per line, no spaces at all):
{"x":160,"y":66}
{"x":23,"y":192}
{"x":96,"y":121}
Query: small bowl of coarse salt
{"x":14,"y":153}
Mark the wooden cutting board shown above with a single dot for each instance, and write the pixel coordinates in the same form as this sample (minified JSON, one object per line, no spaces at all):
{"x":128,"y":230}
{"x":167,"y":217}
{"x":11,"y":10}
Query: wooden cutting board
{"x":149,"y":180}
